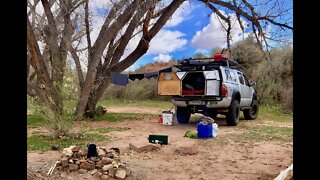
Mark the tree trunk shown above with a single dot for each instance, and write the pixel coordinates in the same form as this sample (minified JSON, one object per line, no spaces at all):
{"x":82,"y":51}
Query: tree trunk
{"x":90,"y":107}
{"x":105,"y":35}
{"x":95,"y":96}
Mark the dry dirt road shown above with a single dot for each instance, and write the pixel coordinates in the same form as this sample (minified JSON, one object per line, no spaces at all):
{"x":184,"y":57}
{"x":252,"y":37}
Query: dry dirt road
{"x":223,"y":157}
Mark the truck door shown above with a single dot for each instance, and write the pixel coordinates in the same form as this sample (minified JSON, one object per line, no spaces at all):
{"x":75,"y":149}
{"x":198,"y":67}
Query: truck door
{"x":245,"y":90}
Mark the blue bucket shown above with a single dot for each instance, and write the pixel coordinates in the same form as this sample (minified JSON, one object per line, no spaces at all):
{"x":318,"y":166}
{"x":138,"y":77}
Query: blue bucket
{"x":204,"y":130}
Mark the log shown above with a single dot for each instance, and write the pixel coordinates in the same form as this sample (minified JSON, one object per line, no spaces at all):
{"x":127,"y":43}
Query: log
{"x":283,"y":174}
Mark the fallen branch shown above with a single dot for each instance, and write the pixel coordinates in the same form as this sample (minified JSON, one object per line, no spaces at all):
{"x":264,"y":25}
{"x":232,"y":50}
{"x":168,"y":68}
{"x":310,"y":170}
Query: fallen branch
{"x":52,"y":168}
{"x":283,"y":174}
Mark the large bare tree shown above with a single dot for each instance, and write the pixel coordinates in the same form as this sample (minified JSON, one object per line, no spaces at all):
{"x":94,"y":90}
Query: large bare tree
{"x":99,"y":70}
{"x":56,"y":32}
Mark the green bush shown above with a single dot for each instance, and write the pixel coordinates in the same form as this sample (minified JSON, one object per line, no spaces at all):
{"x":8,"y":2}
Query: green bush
{"x":247,"y":54}
{"x":274,"y":79}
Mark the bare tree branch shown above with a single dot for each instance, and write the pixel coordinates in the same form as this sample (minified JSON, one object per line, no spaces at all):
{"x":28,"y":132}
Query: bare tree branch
{"x":50,"y":18}
{"x":76,"y":59}
{"x":87,"y":25}
{"x":226,"y":19}
{"x":145,"y":40}
{"x":75,"y":6}
{"x":124,"y":40}
{"x":35,"y":54}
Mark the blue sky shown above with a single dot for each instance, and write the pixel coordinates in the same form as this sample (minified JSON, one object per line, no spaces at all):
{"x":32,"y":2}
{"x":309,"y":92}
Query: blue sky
{"x":193,"y":28}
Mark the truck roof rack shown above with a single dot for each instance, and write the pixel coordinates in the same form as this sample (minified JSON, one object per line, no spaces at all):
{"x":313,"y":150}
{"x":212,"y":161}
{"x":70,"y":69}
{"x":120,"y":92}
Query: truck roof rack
{"x":209,"y":63}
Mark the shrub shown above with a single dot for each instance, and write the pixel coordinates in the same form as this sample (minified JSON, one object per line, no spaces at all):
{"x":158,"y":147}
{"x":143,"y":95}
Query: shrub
{"x":145,"y":89}
{"x":274,"y":79}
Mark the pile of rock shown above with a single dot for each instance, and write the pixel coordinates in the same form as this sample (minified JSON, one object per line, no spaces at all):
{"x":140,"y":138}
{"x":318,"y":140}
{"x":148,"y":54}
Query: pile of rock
{"x":107,"y":164}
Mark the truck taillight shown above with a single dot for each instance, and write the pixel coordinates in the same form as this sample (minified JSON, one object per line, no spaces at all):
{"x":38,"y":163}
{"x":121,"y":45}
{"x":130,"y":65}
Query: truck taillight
{"x":224,"y":90}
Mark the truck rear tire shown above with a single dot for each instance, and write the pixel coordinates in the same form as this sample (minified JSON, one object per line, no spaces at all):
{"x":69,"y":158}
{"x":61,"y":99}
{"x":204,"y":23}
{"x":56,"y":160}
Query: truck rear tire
{"x":183,"y":115}
{"x":233,"y":113}
{"x":252,"y":113}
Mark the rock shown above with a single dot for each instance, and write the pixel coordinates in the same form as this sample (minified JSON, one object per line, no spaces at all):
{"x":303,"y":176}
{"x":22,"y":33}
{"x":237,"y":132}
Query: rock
{"x":117,"y":159}
{"x":107,"y":167}
{"x":68,"y":151}
{"x":64,"y":161}
{"x":82,"y":160}
{"x":116,"y":150}
{"x":73,"y":167}
{"x":75,"y":149}
{"x":59,"y":163}
{"x":83,"y":151}
{"x":147,"y":148}
{"x":71,"y":161}
{"x":95,"y":159}
{"x":122,"y":165}
{"x":87,"y":166}
{"x":77,"y":162}
{"x":104,"y":177}
{"x":101,"y":152}
{"x":79,"y":154}
{"x":121,"y":174}
{"x":55,"y":147}
{"x":106,"y":160}
{"x":104,"y":148}
{"x":63,"y":174}
{"x":110,"y":155}
{"x":94,"y":171}
{"x":115,"y":164}
{"x":112,"y":171}
{"x":82,"y":171}
{"x":99,"y":164}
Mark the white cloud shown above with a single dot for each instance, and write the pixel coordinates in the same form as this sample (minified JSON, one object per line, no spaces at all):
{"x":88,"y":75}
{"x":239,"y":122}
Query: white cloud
{"x":202,"y":51}
{"x":198,"y":23}
{"x":162,"y":58}
{"x":180,"y":15}
{"x":166,"y":41}
{"x":213,"y":35}
{"x":99,"y":4}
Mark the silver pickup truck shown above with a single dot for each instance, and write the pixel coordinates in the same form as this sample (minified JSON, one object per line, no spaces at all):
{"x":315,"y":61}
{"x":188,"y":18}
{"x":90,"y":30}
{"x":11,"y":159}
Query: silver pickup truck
{"x":210,"y":86}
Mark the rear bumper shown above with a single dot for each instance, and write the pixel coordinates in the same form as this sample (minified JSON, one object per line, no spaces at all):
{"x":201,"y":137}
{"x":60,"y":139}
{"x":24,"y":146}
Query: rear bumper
{"x":210,"y":103}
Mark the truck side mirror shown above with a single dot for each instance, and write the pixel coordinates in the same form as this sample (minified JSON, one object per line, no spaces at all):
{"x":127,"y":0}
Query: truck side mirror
{"x":253,"y":83}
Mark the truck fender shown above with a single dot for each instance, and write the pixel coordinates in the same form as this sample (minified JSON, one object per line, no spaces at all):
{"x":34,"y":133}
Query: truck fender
{"x":236,"y":95}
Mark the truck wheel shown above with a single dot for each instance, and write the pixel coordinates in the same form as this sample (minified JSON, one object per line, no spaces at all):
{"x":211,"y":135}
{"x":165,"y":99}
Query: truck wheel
{"x":183,"y":115}
{"x":233,"y":113}
{"x":252,"y":113}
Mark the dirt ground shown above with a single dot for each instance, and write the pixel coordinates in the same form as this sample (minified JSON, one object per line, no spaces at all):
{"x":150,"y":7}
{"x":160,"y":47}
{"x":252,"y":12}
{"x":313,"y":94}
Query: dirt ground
{"x":221,"y":157}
